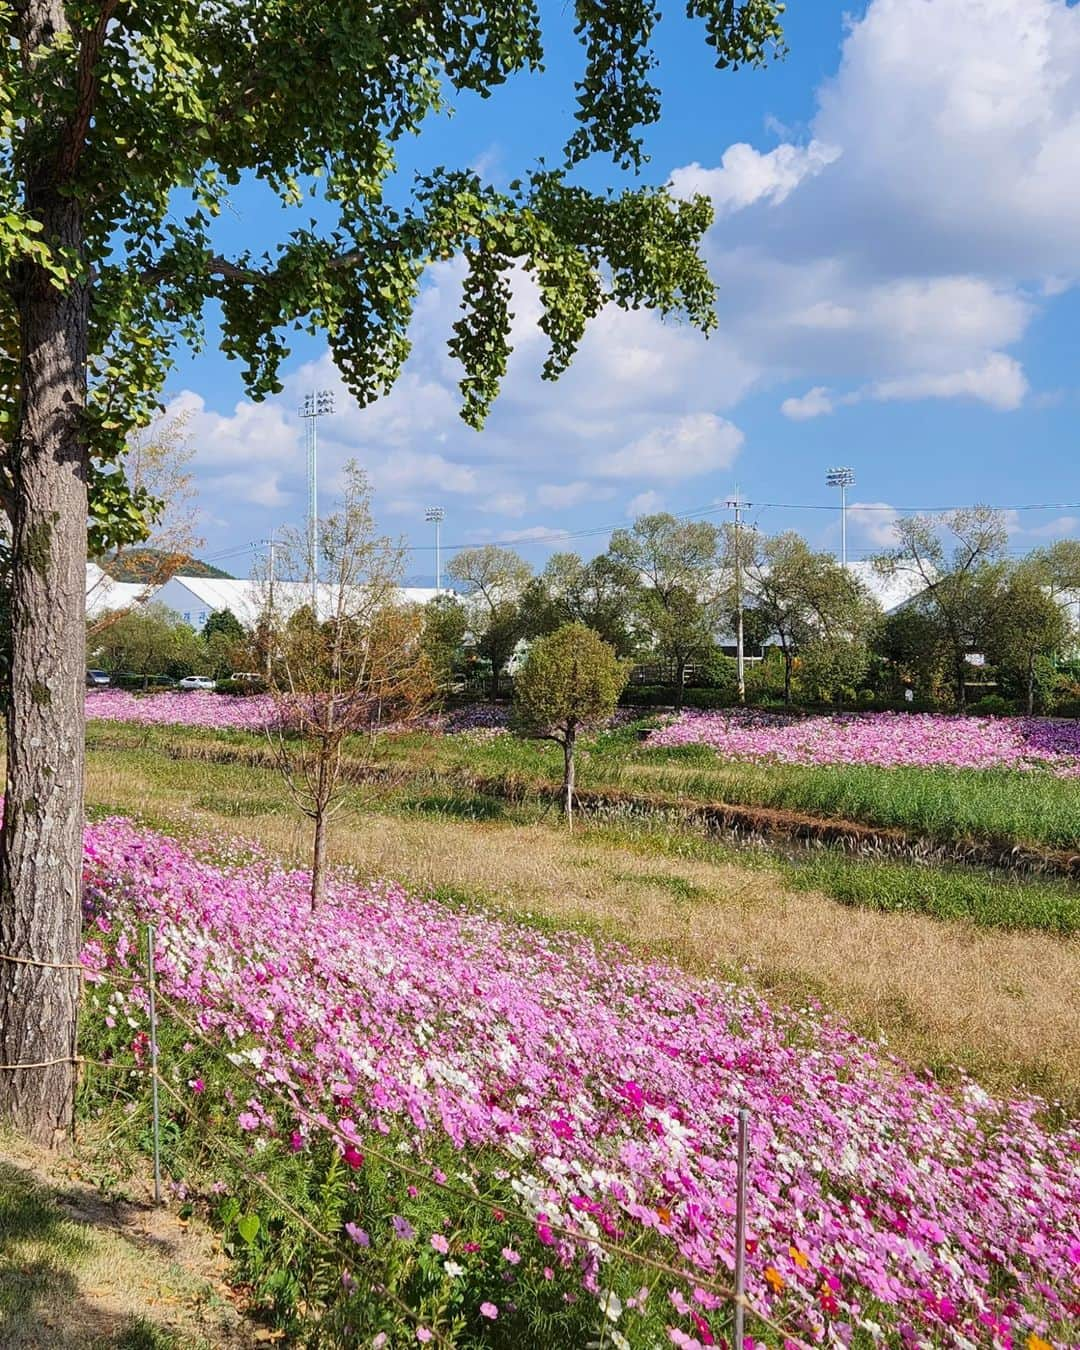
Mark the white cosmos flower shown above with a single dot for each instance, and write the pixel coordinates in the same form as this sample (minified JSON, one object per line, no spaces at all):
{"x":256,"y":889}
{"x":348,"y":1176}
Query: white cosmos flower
{"x":611,"y":1305}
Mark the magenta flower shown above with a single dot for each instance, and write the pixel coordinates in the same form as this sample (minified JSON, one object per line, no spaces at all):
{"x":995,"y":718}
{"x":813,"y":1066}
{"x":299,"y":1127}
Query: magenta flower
{"x":489,"y":1310}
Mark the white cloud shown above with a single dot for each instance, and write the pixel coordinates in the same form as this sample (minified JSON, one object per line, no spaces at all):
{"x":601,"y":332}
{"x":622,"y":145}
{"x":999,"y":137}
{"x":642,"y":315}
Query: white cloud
{"x":693,"y":445}
{"x":503,"y":504}
{"x":1061,"y":527}
{"x":999,"y":382}
{"x":564,"y":495}
{"x":815,"y":402}
{"x":747,"y":176}
{"x":409,"y":468}
{"x":644,"y":504}
{"x":875,"y":521}
{"x":957,"y":151}
{"x":935,"y":214}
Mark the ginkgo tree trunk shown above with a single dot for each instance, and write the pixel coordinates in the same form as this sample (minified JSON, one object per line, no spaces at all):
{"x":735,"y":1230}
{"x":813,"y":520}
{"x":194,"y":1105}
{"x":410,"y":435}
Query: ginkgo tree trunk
{"x":123,"y":130}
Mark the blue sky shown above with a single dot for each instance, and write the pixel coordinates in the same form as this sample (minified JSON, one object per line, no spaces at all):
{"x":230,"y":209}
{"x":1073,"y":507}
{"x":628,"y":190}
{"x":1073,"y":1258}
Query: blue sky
{"x":896,"y":252}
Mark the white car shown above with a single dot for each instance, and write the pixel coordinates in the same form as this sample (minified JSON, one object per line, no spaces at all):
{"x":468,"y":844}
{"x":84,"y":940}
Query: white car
{"x":198,"y":682}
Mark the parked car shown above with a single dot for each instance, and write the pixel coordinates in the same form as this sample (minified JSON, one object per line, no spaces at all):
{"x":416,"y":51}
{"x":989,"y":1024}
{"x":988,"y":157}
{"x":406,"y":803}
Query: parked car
{"x":198,"y":682}
{"x":96,"y":678}
{"x":248,"y":677}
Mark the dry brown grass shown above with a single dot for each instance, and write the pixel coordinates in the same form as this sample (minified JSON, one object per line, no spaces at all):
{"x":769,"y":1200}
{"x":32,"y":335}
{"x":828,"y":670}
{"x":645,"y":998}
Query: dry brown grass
{"x":1000,"y":1004}
{"x":77,"y":1270}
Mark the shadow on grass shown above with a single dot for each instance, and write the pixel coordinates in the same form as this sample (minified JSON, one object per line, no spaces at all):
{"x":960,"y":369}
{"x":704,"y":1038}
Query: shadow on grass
{"x":457,"y":807}
{"x":41,"y":1305}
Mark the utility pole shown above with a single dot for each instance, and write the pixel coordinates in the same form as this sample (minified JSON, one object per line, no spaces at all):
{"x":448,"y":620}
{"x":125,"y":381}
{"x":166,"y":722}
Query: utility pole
{"x":740,"y":656}
{"x":436,"y":515}
{"x":315,"y":405}
{"x":842,"y":478}
{"x":272,"y":545}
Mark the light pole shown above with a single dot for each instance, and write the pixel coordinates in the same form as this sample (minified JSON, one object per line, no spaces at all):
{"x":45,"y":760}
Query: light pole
{"x":315,"y":405}
{"x":843,"y":479}
{"x":436,"y":515}
{"x":735,"y":504}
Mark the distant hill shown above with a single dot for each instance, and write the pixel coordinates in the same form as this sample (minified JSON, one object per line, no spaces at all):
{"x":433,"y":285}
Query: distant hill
{"x":144,"y":564}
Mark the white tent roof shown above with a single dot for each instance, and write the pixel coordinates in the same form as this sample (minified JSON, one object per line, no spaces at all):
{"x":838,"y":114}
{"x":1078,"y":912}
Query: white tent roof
{"x":891,"y":593}
{"x":103,"y":594}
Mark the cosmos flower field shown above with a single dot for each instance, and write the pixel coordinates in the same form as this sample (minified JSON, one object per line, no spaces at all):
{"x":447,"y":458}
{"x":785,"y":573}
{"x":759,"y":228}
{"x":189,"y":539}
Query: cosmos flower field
{"x":884,"y":1208}
{"x":884,"y":740}
{"x":246,"y":712}
{"x":254,"y":712}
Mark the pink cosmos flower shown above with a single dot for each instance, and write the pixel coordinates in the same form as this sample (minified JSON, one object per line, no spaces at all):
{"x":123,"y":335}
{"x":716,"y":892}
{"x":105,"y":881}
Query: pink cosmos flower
{"x":439,"y":1243}
{"x":489,"y":1310}
{"x":358,"y":1235}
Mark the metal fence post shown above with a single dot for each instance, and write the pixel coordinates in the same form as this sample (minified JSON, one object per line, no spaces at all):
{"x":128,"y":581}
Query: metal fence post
{"x":740,"y":1230}
{"x":154,"y":1062}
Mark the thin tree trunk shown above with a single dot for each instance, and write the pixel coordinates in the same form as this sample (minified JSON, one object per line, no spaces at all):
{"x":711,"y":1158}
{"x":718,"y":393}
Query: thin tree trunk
{"x":680,"y":684}
{"x":1031,"y":687}
{"x":568,"y":779}
{"x":318,"y":860}
{"x":788,"y":662}
{"x":961,"y":686}
{"x":41,"y":841}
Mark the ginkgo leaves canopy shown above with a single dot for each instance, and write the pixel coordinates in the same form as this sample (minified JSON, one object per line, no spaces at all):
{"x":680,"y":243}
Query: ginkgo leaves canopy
{"x":149,"y":115}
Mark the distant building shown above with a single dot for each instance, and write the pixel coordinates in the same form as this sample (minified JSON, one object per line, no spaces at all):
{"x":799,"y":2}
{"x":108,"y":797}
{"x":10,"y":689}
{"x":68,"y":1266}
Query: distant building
{"x":103,"y":594}
{"x":194,"y":599}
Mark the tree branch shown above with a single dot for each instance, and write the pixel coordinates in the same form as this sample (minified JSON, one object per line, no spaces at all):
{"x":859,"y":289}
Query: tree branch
{"x":73,"y":142}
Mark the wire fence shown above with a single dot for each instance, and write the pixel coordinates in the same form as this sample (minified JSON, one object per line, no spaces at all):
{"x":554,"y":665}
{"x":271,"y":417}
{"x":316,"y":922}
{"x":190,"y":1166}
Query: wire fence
{"x":733,"y":1294}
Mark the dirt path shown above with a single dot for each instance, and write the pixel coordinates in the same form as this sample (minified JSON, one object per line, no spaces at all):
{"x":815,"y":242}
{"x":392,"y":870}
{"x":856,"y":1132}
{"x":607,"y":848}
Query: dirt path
{"x":80,"y":1270}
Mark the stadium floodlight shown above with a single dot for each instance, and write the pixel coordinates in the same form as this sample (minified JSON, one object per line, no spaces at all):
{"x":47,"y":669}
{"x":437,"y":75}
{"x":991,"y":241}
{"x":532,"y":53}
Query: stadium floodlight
{"x":435,"y":515}
{"x":318,"y":403}
{"x":843,"y":478}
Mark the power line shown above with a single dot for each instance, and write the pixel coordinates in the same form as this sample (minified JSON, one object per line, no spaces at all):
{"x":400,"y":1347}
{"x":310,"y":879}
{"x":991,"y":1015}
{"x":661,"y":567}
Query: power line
{"x":592,"y":531}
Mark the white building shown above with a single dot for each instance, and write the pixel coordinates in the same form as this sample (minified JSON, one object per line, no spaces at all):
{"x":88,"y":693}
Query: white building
{"x":194,"y":599}
{"x":891,"y":593}
{"x":103,"y":594}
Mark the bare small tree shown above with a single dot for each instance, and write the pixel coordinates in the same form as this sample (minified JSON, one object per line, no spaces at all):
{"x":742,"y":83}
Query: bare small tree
{"x":157,"y":469}
{"x":343,"y":674}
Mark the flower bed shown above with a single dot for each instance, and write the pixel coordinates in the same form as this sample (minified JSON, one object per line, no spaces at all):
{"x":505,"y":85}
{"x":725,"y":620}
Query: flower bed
{"x":886,"y":740}
{"x":248,"y":712}
{"x":605,"y":1089}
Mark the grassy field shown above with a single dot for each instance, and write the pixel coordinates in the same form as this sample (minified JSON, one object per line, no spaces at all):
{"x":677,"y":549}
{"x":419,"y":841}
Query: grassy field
{"x":944,"y":804}
{"x":954,"y":966}
{"x":954,"y":806}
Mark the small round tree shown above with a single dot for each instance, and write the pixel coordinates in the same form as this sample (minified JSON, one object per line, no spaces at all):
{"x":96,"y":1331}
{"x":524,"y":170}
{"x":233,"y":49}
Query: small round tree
{"x":570,"y":681}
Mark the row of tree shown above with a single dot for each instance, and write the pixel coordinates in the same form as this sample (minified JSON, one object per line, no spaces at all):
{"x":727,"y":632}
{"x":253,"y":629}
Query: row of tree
{"x":669,"y":590}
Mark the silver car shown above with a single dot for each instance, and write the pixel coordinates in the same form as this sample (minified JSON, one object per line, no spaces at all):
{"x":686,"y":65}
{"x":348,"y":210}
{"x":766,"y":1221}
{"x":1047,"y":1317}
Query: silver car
{"x":198,"y":682}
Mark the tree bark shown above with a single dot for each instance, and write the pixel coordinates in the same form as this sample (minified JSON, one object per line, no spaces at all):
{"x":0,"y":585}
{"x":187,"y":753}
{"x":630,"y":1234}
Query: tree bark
{"x":680,"y":684}
{"x":1031,"y":687}
{"x":41,"y":840}
{"x":568,"y":779}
